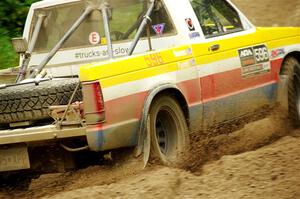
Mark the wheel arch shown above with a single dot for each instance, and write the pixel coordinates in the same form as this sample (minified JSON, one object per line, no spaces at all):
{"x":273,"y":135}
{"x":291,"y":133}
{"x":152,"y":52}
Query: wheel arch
{"x":165,"y":89}
{"x":179,"y":97}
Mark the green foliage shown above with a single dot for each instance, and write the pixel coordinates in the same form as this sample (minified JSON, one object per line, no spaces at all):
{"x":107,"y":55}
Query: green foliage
{"x":13,"y":14}
{"x":8,"y":58}
{"x":12,"y":19}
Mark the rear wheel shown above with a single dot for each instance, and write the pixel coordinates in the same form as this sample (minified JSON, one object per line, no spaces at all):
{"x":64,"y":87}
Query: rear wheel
{"x":291,"y":68}
{"x":168,"y":131}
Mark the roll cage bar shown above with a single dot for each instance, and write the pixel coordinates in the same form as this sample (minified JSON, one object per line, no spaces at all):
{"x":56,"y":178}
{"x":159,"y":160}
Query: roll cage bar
{"x":92,"y":5}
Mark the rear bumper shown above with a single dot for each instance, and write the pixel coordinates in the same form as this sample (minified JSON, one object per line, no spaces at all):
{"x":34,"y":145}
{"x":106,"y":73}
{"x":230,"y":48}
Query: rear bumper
{"x":115,"y":136}
{"x":37,"y":134}
{"x":123,"y":134}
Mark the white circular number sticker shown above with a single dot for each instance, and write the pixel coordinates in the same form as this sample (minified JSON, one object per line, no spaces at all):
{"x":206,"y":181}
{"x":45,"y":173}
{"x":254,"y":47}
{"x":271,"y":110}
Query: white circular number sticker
{"x":94,"y":38}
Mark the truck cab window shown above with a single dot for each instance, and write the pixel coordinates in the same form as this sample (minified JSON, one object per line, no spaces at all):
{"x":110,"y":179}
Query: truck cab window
{"x":124,"y":15}
{"x":124,"y":22}
{"x":216,"y":17}
{"x":161,"y":23}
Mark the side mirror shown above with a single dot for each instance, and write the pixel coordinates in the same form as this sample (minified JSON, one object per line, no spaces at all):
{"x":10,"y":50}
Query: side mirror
{"x":20,"y":45}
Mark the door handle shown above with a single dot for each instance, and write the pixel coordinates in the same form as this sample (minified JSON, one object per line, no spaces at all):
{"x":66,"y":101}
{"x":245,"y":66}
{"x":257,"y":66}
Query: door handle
{"x":214,"y":47}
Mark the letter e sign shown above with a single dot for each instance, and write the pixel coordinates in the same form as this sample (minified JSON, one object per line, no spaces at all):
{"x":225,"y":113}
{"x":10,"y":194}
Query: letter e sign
{"x":94,"y":38}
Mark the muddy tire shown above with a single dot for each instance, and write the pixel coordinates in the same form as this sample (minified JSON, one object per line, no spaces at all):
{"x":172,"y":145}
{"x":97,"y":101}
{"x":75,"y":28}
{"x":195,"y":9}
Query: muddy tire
{"x":30,"y":102}
{"x":168,"y":132}
{"x":291,"y":68}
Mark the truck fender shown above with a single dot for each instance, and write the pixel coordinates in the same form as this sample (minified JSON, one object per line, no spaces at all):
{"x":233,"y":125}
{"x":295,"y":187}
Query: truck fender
{"x":141,"y":134}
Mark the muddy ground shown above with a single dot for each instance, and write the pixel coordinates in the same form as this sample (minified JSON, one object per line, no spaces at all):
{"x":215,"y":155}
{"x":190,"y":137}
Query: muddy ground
{"x":271,"y":12}
{"x":259,"y":159}
{"x":254,"y":160}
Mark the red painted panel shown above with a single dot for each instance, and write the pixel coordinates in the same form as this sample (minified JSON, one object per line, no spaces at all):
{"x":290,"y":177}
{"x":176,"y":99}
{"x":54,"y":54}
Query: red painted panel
{"x":230,"y":82}
{"x":213,"y":86}
{"x":191,"y":91}
{"x":125,"y":108}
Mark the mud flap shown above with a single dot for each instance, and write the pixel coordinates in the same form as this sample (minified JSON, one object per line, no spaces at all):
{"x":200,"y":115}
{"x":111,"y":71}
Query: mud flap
{"x":143,"y":147}
{"x":147,"y":143}
{"x":282,"y":97}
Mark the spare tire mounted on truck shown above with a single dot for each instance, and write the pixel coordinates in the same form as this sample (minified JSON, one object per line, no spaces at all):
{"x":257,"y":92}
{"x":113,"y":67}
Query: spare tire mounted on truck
{"x":31,"y":101}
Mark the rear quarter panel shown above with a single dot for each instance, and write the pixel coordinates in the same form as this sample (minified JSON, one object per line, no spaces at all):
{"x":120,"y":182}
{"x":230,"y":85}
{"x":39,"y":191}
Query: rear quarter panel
{"x":127,"y":82}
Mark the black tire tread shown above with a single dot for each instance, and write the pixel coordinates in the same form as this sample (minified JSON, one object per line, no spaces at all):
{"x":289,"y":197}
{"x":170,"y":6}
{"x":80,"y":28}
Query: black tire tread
{"x":183,"y":142}
{"x":291,"y":67}
{"x":30,"y":102}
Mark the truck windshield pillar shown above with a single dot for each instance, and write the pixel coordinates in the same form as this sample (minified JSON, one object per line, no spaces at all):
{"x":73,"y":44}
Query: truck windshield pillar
{"x":32,"y":43}
{"x":40,"y":67}
{"x":142,"y":27}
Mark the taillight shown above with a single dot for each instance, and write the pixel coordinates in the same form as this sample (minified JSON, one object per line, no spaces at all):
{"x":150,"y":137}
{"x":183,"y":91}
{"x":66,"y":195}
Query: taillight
{"x":94,"y":110}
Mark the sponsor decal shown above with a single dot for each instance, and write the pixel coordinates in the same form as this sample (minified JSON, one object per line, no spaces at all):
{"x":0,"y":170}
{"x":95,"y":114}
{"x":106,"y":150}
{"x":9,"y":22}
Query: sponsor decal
{"x":94,"y":38}
{"x":100,"y":53}
{"x":159,"y":28}
{"x":255,"y":60}
{"x":183,"y":53}
{"x":194,"y":35}
{"x":154,"y":59}
{"x":190,"y":24}
{"x":277,"y":53}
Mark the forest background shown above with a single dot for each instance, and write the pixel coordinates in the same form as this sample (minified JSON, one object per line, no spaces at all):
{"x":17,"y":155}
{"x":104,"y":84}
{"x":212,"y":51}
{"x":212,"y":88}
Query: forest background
{"x":12,"y":19}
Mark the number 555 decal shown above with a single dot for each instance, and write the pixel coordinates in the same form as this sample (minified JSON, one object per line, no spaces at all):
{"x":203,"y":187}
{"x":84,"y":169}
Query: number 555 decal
{"x":254,"y":60}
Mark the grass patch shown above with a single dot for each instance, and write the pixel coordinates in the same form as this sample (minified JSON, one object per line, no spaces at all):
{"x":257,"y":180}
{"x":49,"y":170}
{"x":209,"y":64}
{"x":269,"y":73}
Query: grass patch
{"x":8,"y":57}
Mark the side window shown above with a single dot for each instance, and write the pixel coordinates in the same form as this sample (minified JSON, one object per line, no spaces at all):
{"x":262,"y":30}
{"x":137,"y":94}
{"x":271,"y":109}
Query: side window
{"x":124,"y":22}
{"x":161,"y":22}
{"x":216,"y":17}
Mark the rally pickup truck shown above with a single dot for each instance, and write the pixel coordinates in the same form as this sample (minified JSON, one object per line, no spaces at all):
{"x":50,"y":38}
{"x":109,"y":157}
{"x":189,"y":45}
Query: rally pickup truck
{"x":102,"y":75}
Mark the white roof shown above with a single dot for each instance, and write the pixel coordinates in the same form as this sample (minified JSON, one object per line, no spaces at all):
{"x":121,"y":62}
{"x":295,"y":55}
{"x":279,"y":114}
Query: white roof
{"x":47,"y":3}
